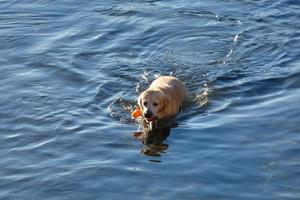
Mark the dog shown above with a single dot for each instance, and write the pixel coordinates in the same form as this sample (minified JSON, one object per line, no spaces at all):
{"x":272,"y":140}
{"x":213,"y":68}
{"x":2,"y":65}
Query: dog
{"x":163,"y":99}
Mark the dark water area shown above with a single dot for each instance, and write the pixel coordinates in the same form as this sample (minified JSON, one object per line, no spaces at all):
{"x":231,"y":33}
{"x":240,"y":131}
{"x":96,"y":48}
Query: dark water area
{"x":71,"y":72}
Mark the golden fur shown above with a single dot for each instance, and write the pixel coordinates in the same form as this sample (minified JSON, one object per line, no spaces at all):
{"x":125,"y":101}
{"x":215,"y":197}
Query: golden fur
{"x":163,"y":99}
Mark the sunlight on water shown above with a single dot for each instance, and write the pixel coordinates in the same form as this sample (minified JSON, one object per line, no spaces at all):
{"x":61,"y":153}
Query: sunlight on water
{"x":71,"y":75}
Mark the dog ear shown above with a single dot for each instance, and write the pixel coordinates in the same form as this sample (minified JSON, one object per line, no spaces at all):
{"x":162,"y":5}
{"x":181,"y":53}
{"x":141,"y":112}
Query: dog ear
{"x":164,"y":102}
{"x":140,"y":103}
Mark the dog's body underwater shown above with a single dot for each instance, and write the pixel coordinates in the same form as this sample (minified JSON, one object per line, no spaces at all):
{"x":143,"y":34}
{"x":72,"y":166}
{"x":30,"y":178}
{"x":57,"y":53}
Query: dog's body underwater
{"x":163,"y":99}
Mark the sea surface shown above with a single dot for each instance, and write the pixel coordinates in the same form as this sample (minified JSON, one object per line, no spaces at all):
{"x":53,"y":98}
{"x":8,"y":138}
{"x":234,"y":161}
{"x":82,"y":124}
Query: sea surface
{"x":71,"y":72}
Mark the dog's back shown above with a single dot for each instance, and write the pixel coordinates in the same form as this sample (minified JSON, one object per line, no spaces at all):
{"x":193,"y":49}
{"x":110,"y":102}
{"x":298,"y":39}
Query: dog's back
{"x":170,"y":86}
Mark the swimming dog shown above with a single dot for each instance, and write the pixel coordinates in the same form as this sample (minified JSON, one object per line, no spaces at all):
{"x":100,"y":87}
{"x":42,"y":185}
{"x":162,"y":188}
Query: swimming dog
{"x":163,"y":99}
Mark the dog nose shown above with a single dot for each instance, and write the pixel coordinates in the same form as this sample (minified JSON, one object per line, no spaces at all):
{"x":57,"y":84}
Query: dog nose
{"x":148,"y":114}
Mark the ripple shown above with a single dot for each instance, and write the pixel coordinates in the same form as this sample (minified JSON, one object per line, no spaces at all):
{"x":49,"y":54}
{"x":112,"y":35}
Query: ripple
{"x":71,"y":74}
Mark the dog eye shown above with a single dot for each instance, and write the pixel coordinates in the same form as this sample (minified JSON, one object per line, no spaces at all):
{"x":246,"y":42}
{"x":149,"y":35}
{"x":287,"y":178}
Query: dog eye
{"x":155,"y":104}
{"x":145,"y":103}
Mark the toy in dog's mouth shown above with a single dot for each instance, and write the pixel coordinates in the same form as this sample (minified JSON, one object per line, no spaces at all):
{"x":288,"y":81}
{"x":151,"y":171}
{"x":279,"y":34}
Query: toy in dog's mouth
{"x":139,"y":113}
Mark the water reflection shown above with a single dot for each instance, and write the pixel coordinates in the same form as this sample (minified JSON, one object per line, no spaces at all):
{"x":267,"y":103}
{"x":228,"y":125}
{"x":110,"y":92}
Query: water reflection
{"x":153,"y":137}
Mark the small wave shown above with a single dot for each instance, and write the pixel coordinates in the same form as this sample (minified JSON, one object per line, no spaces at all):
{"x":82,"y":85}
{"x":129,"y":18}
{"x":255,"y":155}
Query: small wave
{"x":121,"y":109}
{"x":209,"y":14}
{"x":201,"y":98}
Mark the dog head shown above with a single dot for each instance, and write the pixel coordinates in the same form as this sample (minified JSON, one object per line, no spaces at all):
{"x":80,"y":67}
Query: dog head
{"x":152,"y":103}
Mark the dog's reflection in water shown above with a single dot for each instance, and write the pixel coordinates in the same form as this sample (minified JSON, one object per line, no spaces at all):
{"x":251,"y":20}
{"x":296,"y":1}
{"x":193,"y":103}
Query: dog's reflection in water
{"x":153,"y":137}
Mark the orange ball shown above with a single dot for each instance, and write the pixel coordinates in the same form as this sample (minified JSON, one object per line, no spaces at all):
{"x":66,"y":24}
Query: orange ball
{"x":137,"y":113}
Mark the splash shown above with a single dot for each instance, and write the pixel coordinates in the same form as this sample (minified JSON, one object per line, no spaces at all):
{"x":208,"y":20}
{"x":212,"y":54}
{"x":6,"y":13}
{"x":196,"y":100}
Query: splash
{"x":202,"y":98}
{"x":121,"y":109}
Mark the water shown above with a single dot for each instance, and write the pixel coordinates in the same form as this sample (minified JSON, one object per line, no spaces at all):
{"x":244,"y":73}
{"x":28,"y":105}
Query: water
{"x":72,"y":71}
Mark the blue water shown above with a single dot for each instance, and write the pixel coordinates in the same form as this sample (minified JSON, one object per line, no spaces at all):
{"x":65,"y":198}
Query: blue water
{"x":71,"y":72}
